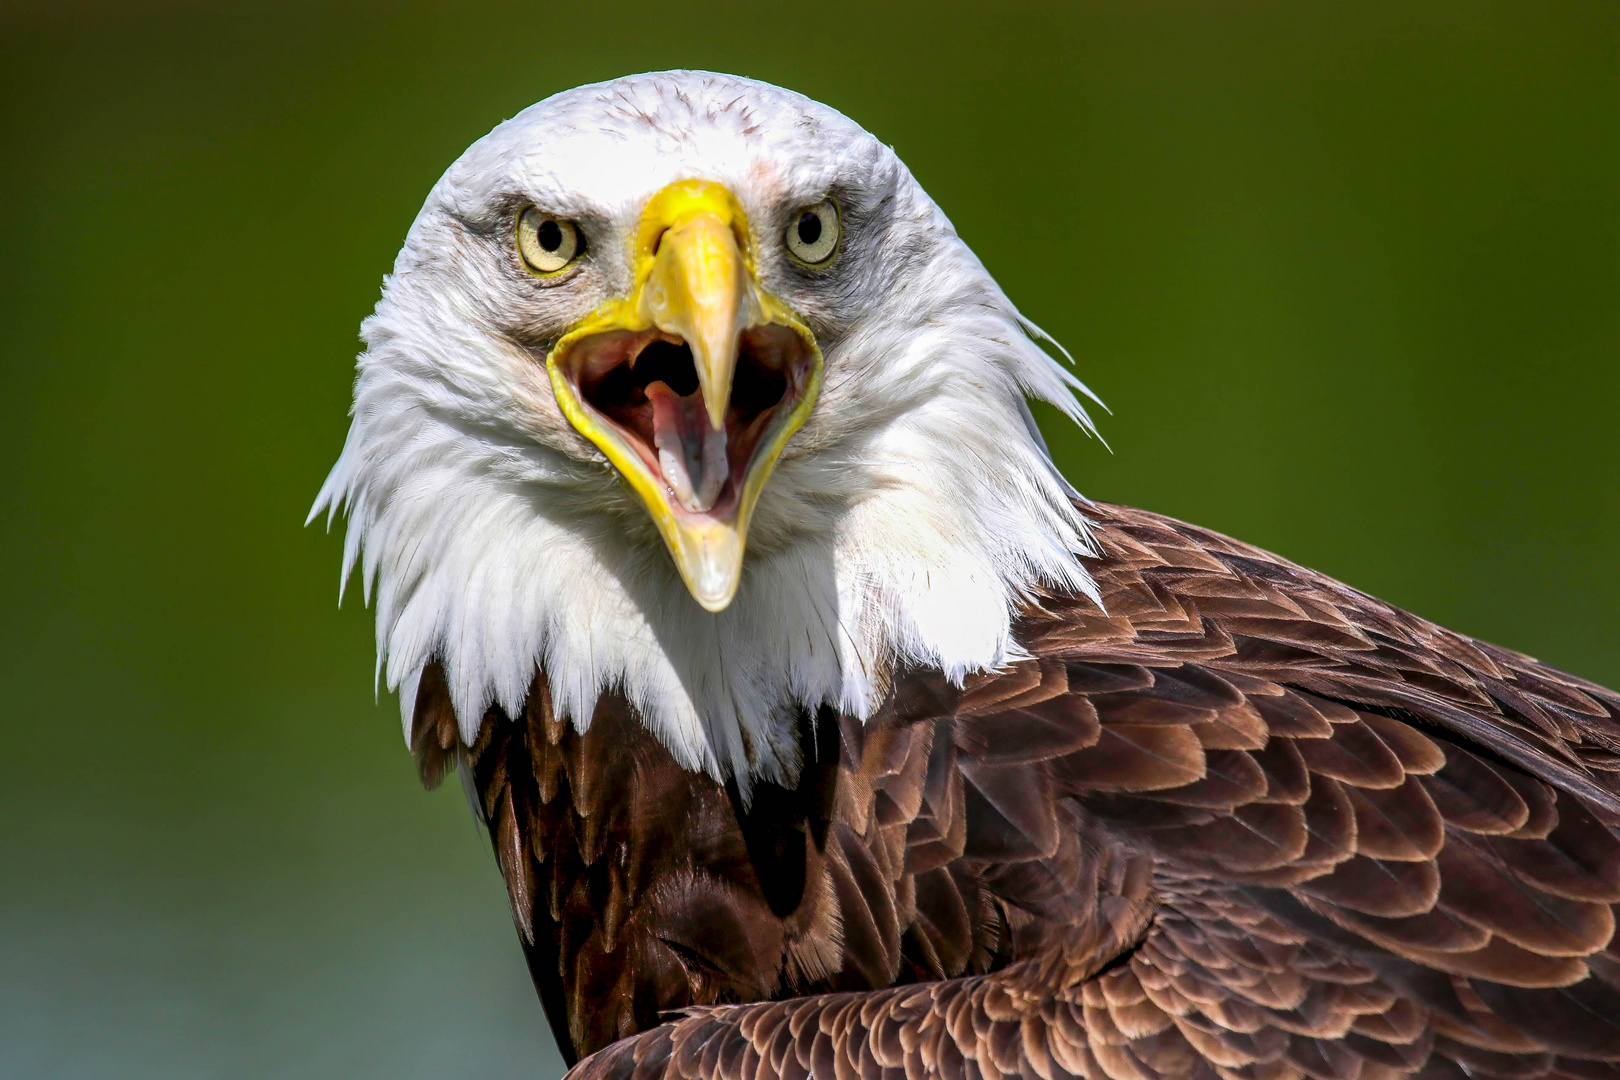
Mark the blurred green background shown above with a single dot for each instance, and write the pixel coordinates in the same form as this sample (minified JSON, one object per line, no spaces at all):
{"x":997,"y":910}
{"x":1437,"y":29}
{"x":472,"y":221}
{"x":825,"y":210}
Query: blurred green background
{"x":1348,"y":275}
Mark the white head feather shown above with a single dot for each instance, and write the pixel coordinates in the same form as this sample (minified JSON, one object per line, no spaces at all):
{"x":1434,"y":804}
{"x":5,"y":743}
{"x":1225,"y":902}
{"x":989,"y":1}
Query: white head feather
{"x":904,"y":523}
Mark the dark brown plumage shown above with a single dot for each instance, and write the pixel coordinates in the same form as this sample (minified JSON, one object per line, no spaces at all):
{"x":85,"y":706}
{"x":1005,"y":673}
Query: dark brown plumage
{"x":1242,"y":821}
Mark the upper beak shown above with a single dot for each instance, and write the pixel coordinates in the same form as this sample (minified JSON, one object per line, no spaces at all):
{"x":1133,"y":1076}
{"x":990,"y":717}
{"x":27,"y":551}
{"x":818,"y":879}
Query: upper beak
{"x":700,"y":291}
{"x":695,"y":286}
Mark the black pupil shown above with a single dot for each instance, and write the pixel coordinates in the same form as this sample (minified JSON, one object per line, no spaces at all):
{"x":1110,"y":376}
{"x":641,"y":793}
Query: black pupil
{"x":550,"y":235}
{"x":809,"y":227}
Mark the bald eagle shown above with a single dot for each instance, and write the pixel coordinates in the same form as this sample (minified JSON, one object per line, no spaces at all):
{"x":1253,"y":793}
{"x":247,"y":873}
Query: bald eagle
{"x":822,"y":729}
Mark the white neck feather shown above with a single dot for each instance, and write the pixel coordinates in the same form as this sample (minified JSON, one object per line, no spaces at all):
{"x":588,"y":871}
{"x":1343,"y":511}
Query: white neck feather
{"x":930,"y":534}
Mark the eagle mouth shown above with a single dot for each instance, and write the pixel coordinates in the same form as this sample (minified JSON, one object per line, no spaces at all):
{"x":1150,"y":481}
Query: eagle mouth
{"x":644,"y":387}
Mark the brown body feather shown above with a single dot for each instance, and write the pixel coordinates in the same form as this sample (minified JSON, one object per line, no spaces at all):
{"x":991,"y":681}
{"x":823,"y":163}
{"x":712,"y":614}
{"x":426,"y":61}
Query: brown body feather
{"x":1240,"y":821}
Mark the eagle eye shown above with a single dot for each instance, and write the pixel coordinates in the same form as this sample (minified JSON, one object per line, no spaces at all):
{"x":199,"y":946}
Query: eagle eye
{"x":547,"y":244}
{"x":812,"y":235}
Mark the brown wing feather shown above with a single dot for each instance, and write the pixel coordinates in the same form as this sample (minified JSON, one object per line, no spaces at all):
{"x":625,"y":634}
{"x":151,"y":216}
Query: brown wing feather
{"x":1238,"y":821}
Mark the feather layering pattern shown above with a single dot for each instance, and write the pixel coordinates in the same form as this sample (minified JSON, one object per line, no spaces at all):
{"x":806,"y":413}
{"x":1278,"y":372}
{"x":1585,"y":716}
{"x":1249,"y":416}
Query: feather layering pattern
{"x":1246,"y":823}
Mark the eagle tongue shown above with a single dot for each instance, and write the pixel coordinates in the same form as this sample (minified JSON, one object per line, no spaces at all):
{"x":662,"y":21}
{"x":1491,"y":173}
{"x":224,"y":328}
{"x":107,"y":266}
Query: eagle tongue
{"x":691,"y":453}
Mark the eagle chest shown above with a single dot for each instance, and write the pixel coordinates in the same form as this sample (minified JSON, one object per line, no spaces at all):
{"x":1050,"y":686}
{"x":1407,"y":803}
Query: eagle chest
{"x":906,"y":851}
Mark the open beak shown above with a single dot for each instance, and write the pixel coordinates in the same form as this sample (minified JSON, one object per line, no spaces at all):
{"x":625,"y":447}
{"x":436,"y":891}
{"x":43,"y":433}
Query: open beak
{"x":693,"y":383}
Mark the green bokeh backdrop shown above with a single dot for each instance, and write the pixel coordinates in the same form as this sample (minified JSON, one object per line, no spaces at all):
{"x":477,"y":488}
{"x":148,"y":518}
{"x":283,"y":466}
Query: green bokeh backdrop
{"x":1347,"y":275}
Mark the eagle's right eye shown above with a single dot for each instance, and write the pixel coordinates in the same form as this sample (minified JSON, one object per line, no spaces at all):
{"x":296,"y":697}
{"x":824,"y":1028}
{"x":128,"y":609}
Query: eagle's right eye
{"x":548,"y":244}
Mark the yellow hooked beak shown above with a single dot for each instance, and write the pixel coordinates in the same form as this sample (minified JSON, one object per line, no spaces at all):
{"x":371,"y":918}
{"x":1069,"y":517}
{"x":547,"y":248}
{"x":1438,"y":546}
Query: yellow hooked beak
{"x":693,"y":383}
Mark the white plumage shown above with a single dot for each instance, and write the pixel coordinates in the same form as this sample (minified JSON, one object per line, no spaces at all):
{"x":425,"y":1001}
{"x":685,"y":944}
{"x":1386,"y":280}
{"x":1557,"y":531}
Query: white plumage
{"x":904,"y":523}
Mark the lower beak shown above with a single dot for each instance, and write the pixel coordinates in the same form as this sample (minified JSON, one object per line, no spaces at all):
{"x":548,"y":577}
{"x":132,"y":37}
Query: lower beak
{"x":693,"y":384}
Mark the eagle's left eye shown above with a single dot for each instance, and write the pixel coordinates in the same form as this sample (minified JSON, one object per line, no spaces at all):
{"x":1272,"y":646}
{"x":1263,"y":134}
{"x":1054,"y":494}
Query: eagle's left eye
{"x":812,"y":236}
{"x":546,"y":243}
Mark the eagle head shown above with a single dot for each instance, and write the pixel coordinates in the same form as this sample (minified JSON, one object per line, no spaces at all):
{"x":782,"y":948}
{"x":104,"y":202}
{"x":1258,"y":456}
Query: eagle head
{"x":683,"y":389}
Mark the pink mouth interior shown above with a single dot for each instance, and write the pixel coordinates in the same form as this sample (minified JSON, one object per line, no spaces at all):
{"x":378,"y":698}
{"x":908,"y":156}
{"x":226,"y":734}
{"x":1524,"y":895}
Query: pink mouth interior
{"x":645,"y":386}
